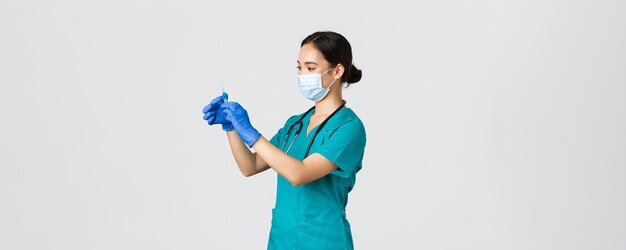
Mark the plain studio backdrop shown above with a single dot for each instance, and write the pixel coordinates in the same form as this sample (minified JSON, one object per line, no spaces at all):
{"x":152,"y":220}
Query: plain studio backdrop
{"x":490,"y":124}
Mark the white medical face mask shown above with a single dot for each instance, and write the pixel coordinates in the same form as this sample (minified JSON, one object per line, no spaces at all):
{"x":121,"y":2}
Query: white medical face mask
{"x":311,"y":86}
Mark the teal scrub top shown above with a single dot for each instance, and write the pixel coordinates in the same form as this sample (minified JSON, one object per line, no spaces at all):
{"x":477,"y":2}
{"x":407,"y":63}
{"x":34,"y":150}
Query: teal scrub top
{"x":312,"y":215}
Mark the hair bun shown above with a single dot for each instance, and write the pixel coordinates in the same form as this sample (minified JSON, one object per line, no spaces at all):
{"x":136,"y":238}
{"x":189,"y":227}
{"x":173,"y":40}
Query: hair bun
{"x":355,"y":75}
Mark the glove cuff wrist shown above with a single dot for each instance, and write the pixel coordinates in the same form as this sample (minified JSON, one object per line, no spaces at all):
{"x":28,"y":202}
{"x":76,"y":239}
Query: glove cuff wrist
{"x":255,"y":138}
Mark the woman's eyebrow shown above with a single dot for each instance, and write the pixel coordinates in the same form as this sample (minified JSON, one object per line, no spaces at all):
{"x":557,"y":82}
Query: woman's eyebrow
{"x":308,"y":62}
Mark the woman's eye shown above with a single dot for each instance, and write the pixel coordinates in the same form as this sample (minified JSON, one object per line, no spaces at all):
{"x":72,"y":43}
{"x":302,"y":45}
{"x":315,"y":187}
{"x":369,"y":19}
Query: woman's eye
{"x":298,"y":67}
{"x":311,"y":69}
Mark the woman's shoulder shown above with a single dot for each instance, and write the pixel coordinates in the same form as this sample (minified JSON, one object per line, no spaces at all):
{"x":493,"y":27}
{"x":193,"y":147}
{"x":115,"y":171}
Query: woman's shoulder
{"x":346,"y":118}
{"x":347,"y":114}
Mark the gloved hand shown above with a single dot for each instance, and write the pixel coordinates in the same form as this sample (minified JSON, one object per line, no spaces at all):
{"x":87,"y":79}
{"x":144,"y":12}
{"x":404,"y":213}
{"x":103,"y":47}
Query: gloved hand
{"x":238,"y":116}
{"x":214,"y":114}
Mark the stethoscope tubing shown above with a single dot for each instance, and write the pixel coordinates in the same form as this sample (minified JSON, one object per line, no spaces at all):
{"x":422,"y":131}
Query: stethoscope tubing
{"x":300,"y":123}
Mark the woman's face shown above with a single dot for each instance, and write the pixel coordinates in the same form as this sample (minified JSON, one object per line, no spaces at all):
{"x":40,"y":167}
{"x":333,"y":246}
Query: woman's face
{"x":312,"y":61}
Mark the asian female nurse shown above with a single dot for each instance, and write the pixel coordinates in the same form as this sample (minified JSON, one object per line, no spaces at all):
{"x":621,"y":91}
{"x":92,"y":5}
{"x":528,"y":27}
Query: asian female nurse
{"x":316,"y":154}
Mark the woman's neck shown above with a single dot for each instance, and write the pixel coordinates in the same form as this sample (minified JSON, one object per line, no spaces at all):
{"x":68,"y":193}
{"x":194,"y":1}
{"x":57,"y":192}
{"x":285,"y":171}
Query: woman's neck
{"x":328,"y":105}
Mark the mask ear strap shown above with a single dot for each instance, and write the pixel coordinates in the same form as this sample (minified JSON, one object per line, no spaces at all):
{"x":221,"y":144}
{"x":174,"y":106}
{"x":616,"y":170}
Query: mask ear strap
{"x":331,"y":84}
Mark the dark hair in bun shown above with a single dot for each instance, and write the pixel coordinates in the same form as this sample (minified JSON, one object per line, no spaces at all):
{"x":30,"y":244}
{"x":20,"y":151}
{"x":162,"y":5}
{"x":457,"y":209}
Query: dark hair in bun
{"x":354,"y":76}
{"x":337,"y":50}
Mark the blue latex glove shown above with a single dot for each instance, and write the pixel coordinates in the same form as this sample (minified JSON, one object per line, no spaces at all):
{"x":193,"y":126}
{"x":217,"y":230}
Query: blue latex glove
{"x":214,"y":113}
{"x":238,"y":116}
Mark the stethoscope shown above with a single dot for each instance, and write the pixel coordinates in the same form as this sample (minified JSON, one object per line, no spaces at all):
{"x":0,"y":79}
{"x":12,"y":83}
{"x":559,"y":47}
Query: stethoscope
{"x":300,"y":124}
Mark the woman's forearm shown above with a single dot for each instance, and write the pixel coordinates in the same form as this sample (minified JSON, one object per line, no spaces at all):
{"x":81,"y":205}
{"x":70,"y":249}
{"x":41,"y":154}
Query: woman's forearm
{"x":290,"y":168}
{"x":243,"y":156}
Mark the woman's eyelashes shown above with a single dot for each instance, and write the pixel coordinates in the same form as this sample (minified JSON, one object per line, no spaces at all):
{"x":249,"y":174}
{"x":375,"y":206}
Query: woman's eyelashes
{"x":309,"y":69}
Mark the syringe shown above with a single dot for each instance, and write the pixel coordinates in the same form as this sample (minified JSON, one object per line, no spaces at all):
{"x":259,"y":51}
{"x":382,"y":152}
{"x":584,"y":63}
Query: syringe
{"x":224,"y":95}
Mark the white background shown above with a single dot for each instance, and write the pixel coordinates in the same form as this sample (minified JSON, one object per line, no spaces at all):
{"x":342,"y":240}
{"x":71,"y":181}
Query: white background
{"x":490,"y":124}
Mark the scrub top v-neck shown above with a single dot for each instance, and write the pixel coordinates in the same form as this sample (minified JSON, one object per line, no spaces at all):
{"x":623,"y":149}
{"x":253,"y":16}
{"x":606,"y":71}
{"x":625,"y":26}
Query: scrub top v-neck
{"x":312,"y":215}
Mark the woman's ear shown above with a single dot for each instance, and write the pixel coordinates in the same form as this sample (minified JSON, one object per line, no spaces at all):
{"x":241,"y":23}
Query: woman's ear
{"x":338,"y":71}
